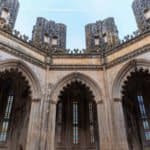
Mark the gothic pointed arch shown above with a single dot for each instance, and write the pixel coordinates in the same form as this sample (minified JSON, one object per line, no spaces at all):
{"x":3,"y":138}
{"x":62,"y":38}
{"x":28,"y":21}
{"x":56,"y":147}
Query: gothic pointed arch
{"x":84,"y":79}
{"x":76,"y":97}
{"x":125,"y":72}
{"x":29,"y":75}
{"x":19,"y":89}
{"x":131,"y":88}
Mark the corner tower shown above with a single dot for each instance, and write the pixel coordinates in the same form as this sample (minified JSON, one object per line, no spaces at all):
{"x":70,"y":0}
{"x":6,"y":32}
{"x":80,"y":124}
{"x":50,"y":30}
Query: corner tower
{"x":54,"y":34}
{"x":100,"y":33}
{"x":141,"y":9}
{"x":8,"y":12}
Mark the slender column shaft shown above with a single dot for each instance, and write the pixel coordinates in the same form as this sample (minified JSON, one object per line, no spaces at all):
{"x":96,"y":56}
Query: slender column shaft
{"x":119,"y":126}
{"x":51,"y":127}
{"x":104,"y":135}
{"x":33,"y":136}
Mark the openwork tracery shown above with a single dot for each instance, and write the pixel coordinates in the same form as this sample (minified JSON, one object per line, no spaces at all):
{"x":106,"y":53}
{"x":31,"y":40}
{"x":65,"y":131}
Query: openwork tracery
{"x":76,"y":122}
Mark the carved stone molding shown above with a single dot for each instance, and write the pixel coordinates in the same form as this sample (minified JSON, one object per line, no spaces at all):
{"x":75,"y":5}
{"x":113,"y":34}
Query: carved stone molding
{"x":128,"y":56}
{"x":36,"y":100}
{"x":125,"y":72}
{"x":53,"y":102}
{"x":99,"y":102}
{"x":117,"y":100}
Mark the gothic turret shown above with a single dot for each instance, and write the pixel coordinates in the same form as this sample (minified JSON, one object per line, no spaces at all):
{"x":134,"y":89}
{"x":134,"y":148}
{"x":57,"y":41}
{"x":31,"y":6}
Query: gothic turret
{"x":141,"y":9}
{"x":54,"y":34}
{"x":100,"y":33}
{"x":8,"y":12}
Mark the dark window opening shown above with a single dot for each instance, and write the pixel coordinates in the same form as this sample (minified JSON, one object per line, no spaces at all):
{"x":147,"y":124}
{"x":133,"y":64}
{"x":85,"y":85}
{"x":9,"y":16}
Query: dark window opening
{"x":136,"y":107}
{"x":76,"y":119}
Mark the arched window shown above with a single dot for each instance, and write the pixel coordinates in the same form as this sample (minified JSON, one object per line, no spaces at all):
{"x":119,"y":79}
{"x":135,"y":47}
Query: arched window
{"x":5,"y":120}
{"x":76,"y":119}
{"x":15,"y":102}
{"x":136,"y":106}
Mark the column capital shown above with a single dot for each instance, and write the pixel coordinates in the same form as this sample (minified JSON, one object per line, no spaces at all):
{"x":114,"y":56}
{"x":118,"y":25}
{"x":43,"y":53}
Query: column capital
{"x":99,"y":102}
{"x":35,"y":100}
{"x":117,"y":100}
{"x":52,"y":102}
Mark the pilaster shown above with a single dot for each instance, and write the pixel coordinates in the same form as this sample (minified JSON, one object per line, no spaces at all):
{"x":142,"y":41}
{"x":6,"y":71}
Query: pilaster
{"x":33,"y":136}
{"x":105,"y":139}
{"x":120,"y":136}
{"x":51,"y":126}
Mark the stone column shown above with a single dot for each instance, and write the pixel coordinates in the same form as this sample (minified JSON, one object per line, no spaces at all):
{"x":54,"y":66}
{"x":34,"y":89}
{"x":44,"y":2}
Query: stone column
{"x":33,"y":135}
{"x":120,"y":136}
{"x":51,"y":126}
{"x":44,"y":109}
{"x":105,"y":141}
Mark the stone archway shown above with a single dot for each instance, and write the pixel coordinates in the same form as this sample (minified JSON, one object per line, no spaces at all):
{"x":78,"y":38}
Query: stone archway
{"x":84,"y":79}
{"x":118,"y":111}
{"x":136,"y":106}
{"x":68,"y":80}
{"x":27,"y":73}
{"x":76,"y":119}
{"x":25,"y":95}
{"x":124,"y":73}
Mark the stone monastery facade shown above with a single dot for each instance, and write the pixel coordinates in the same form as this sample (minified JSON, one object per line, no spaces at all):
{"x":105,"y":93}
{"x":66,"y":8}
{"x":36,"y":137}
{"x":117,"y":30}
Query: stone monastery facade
{"x":52,"y":98}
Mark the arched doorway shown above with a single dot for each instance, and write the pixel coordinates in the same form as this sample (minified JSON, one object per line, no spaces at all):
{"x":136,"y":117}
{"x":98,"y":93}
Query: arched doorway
{"x":136,"y":107}
{"x":76,"y":119}
{"x":15,"y":103}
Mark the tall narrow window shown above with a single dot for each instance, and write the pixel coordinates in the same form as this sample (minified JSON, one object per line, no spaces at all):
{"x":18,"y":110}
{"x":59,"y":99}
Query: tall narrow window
{"x":59,"y":123}
{"x":75,"y":123}
{"x":6,"y":119}
{"x":91,"y":123}
{"x":144,"y":117}
{"x":5,"y":15}
{"x":46,"y":38}
{"x":96,"y":40}
{"x":147,"y":14}
{"x":55,"y":41}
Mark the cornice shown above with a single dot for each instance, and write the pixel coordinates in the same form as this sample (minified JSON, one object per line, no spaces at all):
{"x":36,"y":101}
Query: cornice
{"x":23,"y":56}
{"x":22,"y":42}
{"x":33,"y":60}
{"x":96,"y":55}
{"x":129,"y":56}
{"x":75,"y":67}
{"x":127,"y":43}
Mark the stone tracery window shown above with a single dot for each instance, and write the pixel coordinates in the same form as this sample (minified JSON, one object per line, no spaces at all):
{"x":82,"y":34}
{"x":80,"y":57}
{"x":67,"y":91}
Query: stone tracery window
{"x":136,"y":106}
{"x":15,"y":103}
{"x":6,"y":118}
{"x":76,"y":119}
{"x":144,"y":117}
{"x":91,"y":122}
{"x":59,"y":122}
{"x":75,"y":123}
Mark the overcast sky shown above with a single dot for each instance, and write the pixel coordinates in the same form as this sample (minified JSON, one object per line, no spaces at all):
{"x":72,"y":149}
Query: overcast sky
{"x":76,"y":14}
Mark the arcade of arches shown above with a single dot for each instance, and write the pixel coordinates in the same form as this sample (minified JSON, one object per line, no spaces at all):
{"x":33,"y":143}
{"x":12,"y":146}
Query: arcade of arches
{"x":77,"y":122}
